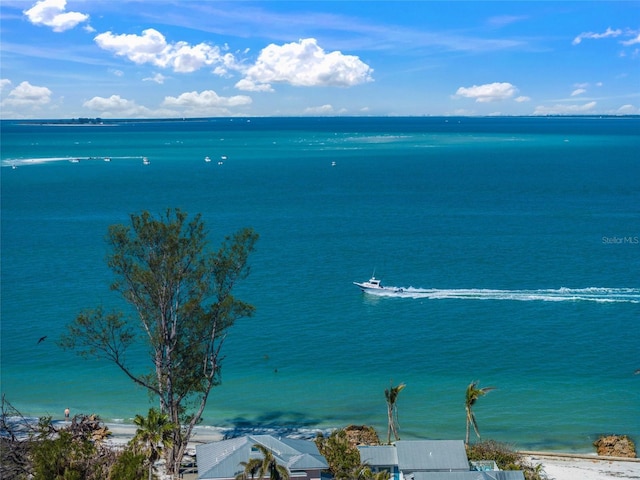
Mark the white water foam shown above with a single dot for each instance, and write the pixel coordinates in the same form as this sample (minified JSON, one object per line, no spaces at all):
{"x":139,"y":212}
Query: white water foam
{"x":16,"y":162}
{"x":591,"y":294}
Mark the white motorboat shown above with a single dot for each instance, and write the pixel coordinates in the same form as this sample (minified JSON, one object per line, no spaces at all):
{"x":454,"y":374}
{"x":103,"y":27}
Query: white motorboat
{"x":374,"y":285}
{"x":207,"y":159}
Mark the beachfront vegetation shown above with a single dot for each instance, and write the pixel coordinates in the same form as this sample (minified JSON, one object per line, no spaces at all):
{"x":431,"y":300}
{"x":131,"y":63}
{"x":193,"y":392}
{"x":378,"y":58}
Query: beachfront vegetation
{"x":341,"y":453}
{"x":472,"y":395}
{"x":74,"y":451}
{"x":153,"y":436}
{"x":182,"y":296}
{"x":505,"y":457}
{"x":391,"y":395}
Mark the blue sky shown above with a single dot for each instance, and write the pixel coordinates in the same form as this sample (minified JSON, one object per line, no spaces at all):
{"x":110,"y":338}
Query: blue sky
{"x":183,"y":58}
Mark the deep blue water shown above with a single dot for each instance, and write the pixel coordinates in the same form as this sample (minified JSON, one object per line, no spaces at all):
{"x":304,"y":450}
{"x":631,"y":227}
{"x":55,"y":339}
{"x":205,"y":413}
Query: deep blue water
{"x":515,"y":241}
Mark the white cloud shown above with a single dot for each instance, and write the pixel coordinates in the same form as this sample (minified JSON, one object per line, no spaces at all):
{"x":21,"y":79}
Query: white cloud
{"x":206,"y":98}
{"x":633,"y":41}
{"x":578,"y":91}
{"x":26,"y":94}
{"x":596,"y":36}
{"x":628,"y":110}
{"x":158,"y":78}
{"x":304,"y":64}
{"x":321,"y":110}
{"x":250,"y":86}
{"x":114,"y":102}
{"x":490,"y":92}
{"x":118,"y":107}
{"x":522,"y":99}
{"x":206,"y":103}
{"x":564,"y":109}
{"x":52,"y":14}
{"x":5,"y":82}
{"x":152,"y":47}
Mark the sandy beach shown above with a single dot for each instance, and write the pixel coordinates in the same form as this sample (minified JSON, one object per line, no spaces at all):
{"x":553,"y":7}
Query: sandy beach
{"x":560,"y":466}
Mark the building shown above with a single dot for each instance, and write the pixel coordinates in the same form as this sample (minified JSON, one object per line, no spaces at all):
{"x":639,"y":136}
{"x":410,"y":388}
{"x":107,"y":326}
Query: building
{"x":221,"y":460}
{"x":429,"y":460}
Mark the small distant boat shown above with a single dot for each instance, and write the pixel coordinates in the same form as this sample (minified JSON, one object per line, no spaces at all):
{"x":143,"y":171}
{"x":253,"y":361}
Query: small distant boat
{"x":207,"y":159}
{"x":333,"y":164}
{"x":107,"y":159}
{"x":75,"y":160}
{"x":145,"y":161}
{"x":375,"y":285}
{"x":223,"y":157}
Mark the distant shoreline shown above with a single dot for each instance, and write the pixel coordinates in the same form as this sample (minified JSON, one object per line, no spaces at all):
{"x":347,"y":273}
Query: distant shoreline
{"x":117,"y":121}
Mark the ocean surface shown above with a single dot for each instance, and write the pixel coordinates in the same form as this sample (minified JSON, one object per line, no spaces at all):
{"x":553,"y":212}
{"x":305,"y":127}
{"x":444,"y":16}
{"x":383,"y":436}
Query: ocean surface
{"x":516,"y":242}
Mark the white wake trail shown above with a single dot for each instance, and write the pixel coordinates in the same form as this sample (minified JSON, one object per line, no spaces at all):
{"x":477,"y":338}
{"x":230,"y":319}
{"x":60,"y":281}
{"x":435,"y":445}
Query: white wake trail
{"x":591,"y":294}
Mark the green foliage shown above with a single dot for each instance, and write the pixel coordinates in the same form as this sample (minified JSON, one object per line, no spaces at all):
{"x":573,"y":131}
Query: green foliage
{"x":129,"y":466}
{"x":505,"y":457}
{"x":153,"y":435}
{"x":343,"y":457}
{"x":365,"y":473}
{"x":76,"y":451}
{"x":67,"y":456}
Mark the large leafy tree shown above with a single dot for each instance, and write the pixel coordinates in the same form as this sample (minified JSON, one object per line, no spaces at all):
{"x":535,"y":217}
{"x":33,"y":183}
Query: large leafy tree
{"x":391,"y":396}
{"x":473,"y":393}
{"x":182,"y":296}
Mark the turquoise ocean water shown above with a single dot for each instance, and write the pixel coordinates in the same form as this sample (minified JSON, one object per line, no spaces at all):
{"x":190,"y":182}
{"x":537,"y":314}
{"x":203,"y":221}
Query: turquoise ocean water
{"x":516,"y":241}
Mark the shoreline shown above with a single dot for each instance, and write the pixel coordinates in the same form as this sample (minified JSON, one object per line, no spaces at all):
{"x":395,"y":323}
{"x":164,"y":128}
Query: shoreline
{"x":557,"y":465}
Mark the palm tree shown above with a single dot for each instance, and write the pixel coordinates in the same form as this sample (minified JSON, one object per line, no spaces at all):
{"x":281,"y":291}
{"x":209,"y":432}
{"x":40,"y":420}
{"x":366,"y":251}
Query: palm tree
{"x":364,"y":472}
{"x":249,"y":469}
{"x":472,"y":395}
{"x":153,"y":435}
{"x":261,"y":467}
{"x":391,"y":394}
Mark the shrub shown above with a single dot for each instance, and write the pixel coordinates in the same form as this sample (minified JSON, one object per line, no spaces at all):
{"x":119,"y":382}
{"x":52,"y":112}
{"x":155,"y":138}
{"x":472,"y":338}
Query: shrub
{"x":505,"y":457}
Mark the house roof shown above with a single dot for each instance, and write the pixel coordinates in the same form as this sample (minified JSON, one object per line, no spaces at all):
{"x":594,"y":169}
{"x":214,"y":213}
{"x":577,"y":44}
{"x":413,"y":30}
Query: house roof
{"x":432,"y":455}
{"x":378,"y":455}
{"x":222,"y":459}
{"x":418,"y":455}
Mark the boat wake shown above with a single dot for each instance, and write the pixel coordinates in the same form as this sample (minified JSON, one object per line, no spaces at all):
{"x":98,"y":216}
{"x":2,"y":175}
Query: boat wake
{"x":16,"y":162}
{"x":592,"y":294}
